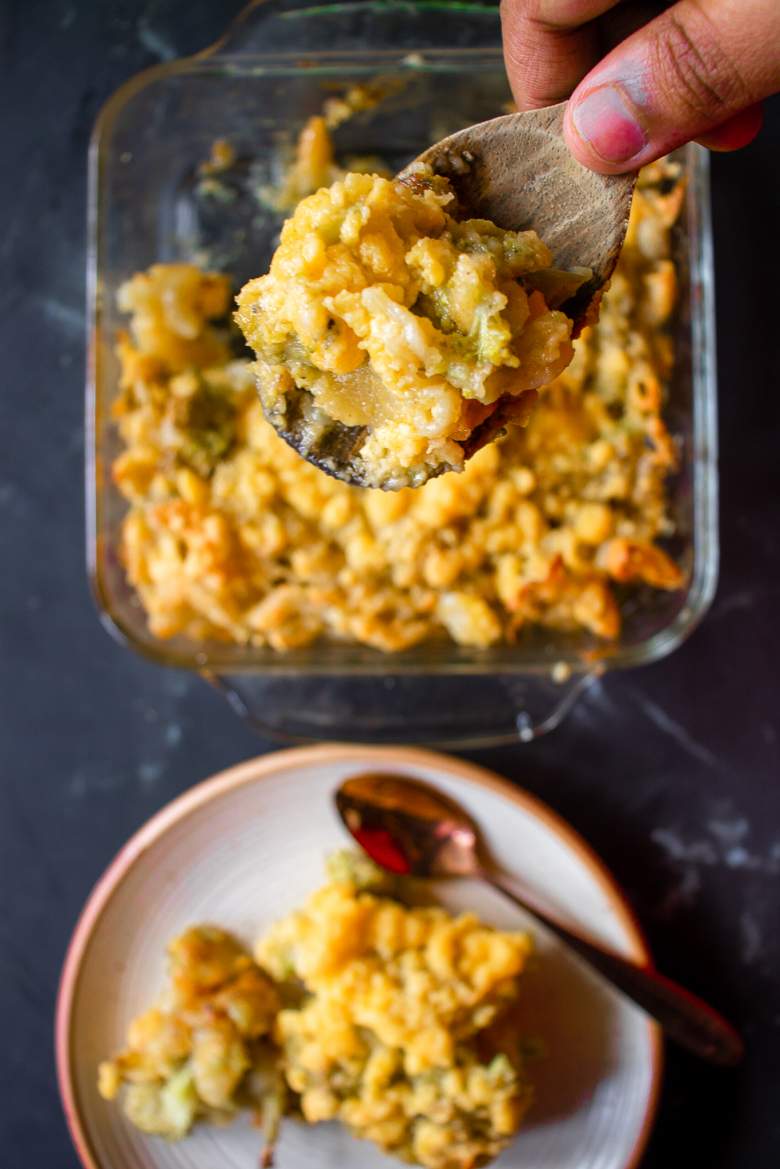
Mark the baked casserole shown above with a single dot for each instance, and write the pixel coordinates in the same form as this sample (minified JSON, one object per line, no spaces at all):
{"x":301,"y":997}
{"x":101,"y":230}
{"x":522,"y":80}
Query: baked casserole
{"x":395,"y":1019}
{"x":231,"y":536}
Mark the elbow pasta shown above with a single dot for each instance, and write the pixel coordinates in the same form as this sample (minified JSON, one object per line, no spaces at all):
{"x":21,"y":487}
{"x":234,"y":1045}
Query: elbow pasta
{"x":406,"y":1033}
{"x":204,"y":1050}
{"x":230,"y":535}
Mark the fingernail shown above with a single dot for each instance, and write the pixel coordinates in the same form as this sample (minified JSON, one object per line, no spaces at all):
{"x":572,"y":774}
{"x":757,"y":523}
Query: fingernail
{"x":605,"y":121}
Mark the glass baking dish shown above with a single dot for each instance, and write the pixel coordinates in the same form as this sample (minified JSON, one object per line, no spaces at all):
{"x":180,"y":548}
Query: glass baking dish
{"x":256,"y":87}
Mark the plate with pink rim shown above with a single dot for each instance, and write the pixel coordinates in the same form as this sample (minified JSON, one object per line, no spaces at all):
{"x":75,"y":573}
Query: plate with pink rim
{"x":246,"y":847}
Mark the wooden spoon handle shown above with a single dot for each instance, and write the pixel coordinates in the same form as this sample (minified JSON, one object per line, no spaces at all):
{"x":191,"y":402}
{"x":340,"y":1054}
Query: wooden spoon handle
{"x":684,"y":1017}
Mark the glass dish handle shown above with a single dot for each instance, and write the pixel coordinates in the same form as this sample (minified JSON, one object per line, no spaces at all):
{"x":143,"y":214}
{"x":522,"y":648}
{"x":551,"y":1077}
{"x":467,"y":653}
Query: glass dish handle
{"x":451,"y":711}
{"x":569,"y":694}
{"x":297,"y":26}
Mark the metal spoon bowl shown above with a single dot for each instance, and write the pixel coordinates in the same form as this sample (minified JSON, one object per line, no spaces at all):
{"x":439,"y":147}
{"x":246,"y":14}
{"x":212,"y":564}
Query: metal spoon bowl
{"x":409,"y":828}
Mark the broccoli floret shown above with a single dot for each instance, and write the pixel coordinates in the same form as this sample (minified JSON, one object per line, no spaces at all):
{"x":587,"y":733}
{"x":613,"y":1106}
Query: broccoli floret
{"x":349,"y":867}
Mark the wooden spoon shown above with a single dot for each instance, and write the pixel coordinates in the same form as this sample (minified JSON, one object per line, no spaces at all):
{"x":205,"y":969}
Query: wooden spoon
{"x":518,"y":172}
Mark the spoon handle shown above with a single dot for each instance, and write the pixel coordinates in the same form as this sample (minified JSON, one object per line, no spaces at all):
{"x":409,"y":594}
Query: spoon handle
{"x":685,"y":1018}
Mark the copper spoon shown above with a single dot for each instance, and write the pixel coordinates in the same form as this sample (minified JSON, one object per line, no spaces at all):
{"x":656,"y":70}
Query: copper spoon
{"x":517,"y":171}
{"x":407,"y":827}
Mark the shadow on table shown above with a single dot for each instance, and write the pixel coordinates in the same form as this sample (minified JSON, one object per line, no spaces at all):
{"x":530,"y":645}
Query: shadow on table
{"x":564,"y":1006}
{"x":703,"y":1111}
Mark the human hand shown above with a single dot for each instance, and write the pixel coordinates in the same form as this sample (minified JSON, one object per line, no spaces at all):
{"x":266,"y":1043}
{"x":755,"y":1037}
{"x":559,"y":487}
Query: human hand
{"x":697,"y":70}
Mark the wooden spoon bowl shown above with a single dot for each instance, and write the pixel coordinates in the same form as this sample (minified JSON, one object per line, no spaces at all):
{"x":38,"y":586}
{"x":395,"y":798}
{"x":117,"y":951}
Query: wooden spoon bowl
{"x":518,"y":172}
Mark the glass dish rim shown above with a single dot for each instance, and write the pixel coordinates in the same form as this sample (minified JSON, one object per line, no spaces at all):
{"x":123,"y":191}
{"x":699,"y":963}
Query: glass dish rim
{"x":702,"y":458}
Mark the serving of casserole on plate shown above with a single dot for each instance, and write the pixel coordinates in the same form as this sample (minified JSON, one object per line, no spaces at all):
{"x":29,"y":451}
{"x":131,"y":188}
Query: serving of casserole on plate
{"x":425,"y":1030}
{"x":399,"y":1020}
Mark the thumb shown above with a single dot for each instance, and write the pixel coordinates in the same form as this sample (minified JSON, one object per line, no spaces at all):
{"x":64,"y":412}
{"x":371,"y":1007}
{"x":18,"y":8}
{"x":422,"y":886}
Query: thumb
{"x":699,"y":65}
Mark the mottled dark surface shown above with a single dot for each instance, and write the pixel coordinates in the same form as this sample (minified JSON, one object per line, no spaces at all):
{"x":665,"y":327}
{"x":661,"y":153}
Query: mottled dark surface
{"x":671,"y":772}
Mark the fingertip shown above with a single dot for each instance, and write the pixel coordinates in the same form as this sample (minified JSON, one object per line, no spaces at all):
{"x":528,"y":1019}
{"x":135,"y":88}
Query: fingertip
{"x":543,"y":63}
{"x":603,"y":131}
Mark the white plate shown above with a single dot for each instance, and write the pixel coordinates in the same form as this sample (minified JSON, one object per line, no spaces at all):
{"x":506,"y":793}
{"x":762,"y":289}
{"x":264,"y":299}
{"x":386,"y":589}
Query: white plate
{"x":247,"y":846}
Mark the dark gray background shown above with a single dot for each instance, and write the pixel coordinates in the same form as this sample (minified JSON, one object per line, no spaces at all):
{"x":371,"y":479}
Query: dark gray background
{"x":671,"y":772}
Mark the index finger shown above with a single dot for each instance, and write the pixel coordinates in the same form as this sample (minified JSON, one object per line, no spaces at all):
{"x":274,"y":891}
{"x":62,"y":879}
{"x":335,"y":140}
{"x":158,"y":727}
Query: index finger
{"x":549,"y":46}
